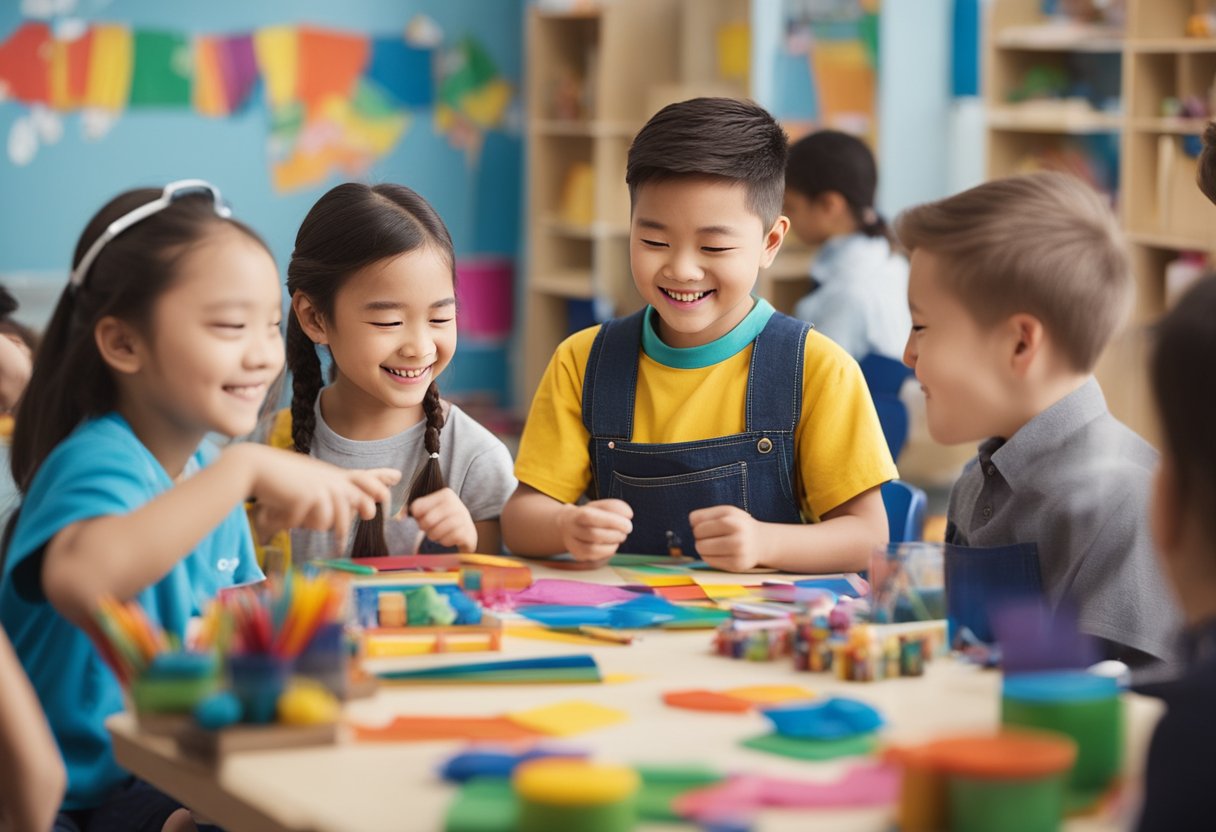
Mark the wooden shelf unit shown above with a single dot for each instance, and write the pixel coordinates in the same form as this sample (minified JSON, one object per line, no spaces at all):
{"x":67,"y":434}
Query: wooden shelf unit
{"x":1159,"y":205}
{"x":593,"y":77}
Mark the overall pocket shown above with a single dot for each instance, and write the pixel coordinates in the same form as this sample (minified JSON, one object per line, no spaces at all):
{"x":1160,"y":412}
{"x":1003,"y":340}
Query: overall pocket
{"x":662,"y":504}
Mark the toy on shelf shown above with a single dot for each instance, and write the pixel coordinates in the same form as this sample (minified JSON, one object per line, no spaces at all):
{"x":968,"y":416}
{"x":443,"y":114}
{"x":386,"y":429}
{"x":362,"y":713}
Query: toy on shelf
{"x":1202,"y":22}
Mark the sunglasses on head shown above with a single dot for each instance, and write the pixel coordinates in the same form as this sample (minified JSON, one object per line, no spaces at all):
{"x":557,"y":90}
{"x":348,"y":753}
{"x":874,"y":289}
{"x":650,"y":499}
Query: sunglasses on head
{"x":172,"y":191}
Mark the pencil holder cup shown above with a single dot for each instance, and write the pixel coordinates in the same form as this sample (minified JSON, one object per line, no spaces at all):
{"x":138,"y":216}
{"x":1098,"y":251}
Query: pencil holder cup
{"x":175,"y":683}
{"x":907,"y":582}
{"x":326,"y":659}
{"x":258,"y":679}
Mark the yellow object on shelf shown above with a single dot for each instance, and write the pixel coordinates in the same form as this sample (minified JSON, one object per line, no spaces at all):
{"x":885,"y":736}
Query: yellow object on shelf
{"x":578,"y":195}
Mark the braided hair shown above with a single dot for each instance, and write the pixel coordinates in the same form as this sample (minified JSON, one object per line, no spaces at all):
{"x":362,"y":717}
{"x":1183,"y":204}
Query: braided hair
{"x":351,"y":227}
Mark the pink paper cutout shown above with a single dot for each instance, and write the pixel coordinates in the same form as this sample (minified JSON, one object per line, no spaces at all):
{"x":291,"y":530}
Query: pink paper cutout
{"x":873,"y":785}
{"x":571,"y":593}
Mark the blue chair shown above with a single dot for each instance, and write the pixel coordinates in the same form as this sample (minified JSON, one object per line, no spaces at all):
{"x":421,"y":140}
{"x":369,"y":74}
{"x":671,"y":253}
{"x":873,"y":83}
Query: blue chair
{"x":905,"y":504}
{"x":884,"y":376}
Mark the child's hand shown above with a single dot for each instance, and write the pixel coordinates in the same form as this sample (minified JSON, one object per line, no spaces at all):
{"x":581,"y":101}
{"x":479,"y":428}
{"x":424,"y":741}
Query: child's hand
{"x":296,"y":491}
{"x":727,"y":537}
{"x":444,"y":519}
{"x":592,"y":532}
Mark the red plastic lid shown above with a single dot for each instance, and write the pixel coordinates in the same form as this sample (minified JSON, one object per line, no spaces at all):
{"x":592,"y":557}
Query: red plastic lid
{"x":1006,"y":755}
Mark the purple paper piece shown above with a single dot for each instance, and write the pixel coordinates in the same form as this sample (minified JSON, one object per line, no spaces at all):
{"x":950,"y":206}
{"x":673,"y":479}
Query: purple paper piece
{"x":571,"y":593}
{"x":238,"y":69}
{"x":1033,"y":637}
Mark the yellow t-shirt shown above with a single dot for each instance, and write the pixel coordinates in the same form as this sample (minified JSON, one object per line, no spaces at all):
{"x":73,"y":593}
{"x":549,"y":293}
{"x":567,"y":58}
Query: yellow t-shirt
{"x":839,"y":443}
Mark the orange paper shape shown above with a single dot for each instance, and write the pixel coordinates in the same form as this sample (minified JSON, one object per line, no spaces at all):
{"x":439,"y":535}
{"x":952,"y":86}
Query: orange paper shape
{"x":706,"y":700}
{"x":25,"y":64}
{"x":771,"y":694}
{"x":330,"y":64}
{"x":682,"y":593}
{"x":425,"y":728}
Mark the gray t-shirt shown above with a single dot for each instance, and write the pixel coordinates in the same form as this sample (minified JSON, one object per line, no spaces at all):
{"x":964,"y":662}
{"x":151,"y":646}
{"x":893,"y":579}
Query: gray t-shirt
{"x":475,"y":464}
{"x":1075,"y":481}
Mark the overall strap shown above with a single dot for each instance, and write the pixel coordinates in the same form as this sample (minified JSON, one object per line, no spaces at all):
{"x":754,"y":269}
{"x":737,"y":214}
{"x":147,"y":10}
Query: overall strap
{"x":774,"y":380}
{"x":611,"y":379}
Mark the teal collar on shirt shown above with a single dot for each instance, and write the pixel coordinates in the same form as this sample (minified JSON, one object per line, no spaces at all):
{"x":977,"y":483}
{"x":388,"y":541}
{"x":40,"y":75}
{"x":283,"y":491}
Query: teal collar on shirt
{"x":706,"y":355}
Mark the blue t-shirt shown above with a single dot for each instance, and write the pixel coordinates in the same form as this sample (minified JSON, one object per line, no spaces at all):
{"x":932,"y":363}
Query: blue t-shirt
{"x":101,"y":469}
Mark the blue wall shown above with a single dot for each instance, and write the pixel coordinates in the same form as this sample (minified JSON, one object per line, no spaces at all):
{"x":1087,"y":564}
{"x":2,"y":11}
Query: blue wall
{"x":44,"y":205}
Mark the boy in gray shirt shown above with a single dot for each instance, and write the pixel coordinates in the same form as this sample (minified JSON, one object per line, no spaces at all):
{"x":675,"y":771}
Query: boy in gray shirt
{"x":1016,"y":287}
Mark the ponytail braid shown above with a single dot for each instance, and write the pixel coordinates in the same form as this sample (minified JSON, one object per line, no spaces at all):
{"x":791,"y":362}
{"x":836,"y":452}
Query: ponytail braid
{"x":429,"y":478}
{"x":305,"y":369}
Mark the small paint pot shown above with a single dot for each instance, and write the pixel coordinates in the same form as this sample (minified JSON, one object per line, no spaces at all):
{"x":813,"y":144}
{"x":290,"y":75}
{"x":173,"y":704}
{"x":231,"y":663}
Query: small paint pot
{"x":1083,"y":706}
{"x":557,"y":795}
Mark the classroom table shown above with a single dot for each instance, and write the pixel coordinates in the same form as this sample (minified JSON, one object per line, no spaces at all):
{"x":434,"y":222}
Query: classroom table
{"x":378,"y":787}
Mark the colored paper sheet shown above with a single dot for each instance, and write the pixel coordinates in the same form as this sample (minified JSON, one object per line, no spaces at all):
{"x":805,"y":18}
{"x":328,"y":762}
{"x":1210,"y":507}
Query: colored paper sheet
{"x":707,"y":700}
{"x":844,"y":76}
{"x":238,"y":69}
{"x":557,"y":591}
{"x":579,"y":667}
{"x":568,"y":719}
{"x":676,"y":594}
{"x":405,"y":73}
{"x":472,"y":69}
{"x":424,"y":728}
{"x":398,"y":563}
{"x":330,"y":64}
{"x":487,"y":105}
{"x":870,"y":785}
{"x":209,"y":99}
{"x":719,"y":592}
{"x":648,"y":560}
{"x":852,"y":585}
{"x":541,"y":633}
{"x":814,"y":749}
{"x":111,"y":63}
{"x":160,"y":77}
{"x":663,"y":785}
{"x":734,"y":51}
{"x":484,"y":804}
{"x":278,"y":54}
{"x":472,"y":558}
{"x":770,"y":694}
{"x":651,"y":576}
{"x":70,"y":70}
{"x":25,"y":63}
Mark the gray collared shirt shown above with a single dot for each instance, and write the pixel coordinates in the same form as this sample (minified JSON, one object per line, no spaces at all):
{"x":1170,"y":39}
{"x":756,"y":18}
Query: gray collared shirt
{"x":1075,"y":481}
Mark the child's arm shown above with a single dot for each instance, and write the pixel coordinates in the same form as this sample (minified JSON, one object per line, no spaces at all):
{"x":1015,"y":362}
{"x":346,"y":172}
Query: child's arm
{"x":731,"y":539}
{"x":534,"y":525}
{"x":121,"y":554}
{"x":32,"y":777}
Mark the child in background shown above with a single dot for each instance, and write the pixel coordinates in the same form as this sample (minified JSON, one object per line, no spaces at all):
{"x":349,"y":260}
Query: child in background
{"x":1181,"y":768}
{"x":859,"y":299}
{"x":16,"y":357}
{"x":373,"y":279}
{"x":167,"y":330}
{"x":707,"y":423}
{"x":1016,"y":287}
{"x":31,"y":772}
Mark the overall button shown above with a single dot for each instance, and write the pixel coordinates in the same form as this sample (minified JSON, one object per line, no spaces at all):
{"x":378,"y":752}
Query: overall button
{"x":764,"y":445}
{"x":987,"y":511}
{"x":611,"y":445}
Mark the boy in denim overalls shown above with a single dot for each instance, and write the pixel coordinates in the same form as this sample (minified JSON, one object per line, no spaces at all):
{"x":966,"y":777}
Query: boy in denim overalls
{"x":707,"y":423}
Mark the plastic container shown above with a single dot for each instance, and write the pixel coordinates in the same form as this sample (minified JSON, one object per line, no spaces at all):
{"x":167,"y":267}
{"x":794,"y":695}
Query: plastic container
{"x":485,"y":291}
{"x":1083,"y":706}
{"x":559,"y":795}
{"x":326,"y":659}
{"x":258,"y":680}
{"x":907,"y":582}
{"x":175,"y":683}
{"x":1008,"y":782}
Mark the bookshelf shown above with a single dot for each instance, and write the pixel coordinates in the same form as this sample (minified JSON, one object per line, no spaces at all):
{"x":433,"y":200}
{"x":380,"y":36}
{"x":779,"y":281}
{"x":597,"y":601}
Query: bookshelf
{"x":1153,"y":186}
{"x":595,"y":73}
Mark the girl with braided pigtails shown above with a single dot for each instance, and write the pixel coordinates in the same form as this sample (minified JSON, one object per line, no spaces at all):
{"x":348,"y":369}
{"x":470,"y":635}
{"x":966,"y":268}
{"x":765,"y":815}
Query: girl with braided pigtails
{"x":372,"y":282}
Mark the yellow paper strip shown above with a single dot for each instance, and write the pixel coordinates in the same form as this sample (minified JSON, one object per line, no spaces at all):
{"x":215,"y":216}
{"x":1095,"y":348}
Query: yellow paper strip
{"x":566,"y":719}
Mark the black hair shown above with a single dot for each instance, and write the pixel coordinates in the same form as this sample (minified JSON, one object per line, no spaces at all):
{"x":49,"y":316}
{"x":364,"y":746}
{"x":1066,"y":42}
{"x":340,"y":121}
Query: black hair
{"x":351,"y":227}
{"x":1205,"y":173}
{"x":720,"y":138}
{"x":833,"y":162}
{"x":1182,"y":356}
{"x":70,"y":381}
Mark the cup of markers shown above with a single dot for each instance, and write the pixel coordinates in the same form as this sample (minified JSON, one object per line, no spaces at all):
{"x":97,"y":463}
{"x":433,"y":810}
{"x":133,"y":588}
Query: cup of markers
{"x":160,"y":676}
{"x":268,"y":633}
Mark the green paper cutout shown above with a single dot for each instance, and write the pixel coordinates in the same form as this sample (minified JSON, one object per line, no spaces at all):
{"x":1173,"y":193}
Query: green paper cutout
{"x":161,"y":74}
{"x":661,"y":785}
{"x":483,"y":804}
{"x":814,"y":749}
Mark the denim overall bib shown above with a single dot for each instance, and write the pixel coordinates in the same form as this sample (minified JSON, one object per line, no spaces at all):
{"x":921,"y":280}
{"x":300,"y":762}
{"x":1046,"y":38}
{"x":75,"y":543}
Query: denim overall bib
{"x":980,"y":578}
{"x":754,"y":470}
